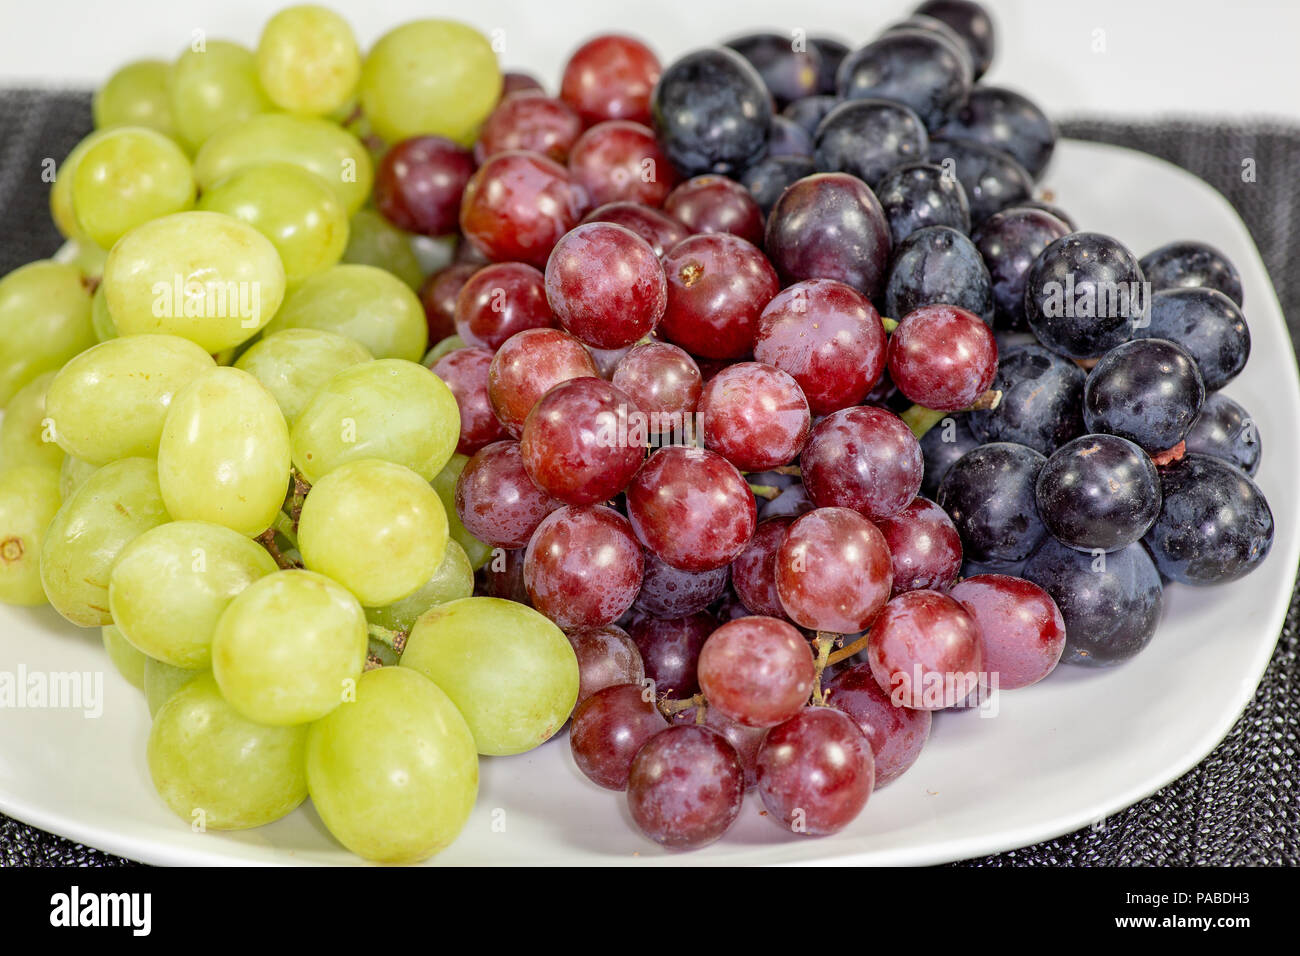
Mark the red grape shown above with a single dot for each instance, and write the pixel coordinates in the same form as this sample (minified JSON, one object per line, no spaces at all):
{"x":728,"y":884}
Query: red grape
{"x":530,"y":364}
{"x":829,"y":337}
{"x":692,"y":508}
{"x":833,"y":571}
{"x":465,"y":371}
{"x":610,"y":77}
{"x":753,"y":573}
{"x":924,"y":546}
{"x":925,"y":651}
{"x":501,"y":300}
{"x":863,"y":458}
{"x":896,"y":734}
{"x":664,"y":382}
{"x":503,"y":577}
{"x":670,"y":650}
{"x":518,"y":205}
{"x":419,"y":184}
{"x":658,"y":228}
{"x":609,"y":728}
{"x":755,"y":416}
{"x":686,"y":787}
{"x":757,"y":670}
{"x":621,"y":161}
{"x":529,"y":120}
{"x":815,"y":771}
{"x":606,"y":285}
{"x":717,"y":204}
{"x":575,"y":442}
{"x":942,"y":357}
{"x":606,"y":656}
{"x":1022,"y":630}
{"x":497,"y":501}
{"x":717,"y":286}
{"x":583,"y":566}
{"x":512,"y":81}
{"x":745,"y":740}
{"x":438,"y":296}
{"x":668,"y":592}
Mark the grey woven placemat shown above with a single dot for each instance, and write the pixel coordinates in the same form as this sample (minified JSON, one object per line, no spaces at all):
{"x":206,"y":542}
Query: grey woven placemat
{"x":1239,"y":806}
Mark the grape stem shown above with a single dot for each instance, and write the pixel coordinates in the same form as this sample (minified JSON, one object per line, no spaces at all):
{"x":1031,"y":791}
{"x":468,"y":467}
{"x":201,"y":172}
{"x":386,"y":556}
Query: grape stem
{"x":669,"y":706}
{"x":297,"y":495}
{"x":889,"y":324}
{"x":793,"y":470}
{"x":267,"y":540}
{"x":825,"y":641}
{"x":848,"y":650}
{"x":394,"y":639}
{"x":767,"y":492}
{"x":921,"y":419}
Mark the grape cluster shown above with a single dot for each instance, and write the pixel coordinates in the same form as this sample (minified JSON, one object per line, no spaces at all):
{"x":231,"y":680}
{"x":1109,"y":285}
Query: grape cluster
{"x":385,"y":411}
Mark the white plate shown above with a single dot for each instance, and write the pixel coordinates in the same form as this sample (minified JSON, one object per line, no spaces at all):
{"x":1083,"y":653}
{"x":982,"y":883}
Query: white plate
{"x":1059,"y":756}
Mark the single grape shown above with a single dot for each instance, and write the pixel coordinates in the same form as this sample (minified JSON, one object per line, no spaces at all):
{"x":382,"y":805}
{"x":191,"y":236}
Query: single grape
{"x":912,"y":67}
{"x":662,"y":381}
{"x":500,"y":300}
{"x":924,"y":547}
{"x":943,"y":357}
{"x":1041,"y":404}
{"x":136,"y":95}
{"x":518,"y":205}
{"x":444,"y":483}
{"x":668,"y":592}
{"x":896,"y":734}
{"x":925,"y":651}
{"x":610,"y":77}
{"x":1147,"y":390}
{"x":756,"y":670}
{"x":1208,"y":324}
{"x":528,"y":366}
{"x":656,"y":227}
{"x":790,"y":71}
{"x":670,"y":650}
{"x":583,"y":566}
{"x":989,"y":494}
{"x":607,"y":657}
{"x":529,"y":120}
{"x":497,"y":501}
{"x":609,"y":728}
{"x":465,"y":372}
{"x":1021,"y":628}
{"x":1223,"y":430}
{"x":438,"y":295}
{"x":1009,"y":241}
{"x":686,"y":787}
{"x":918,"y":194}
{"x":833,"y":571}
{"x":1188,"y":263}
{"x":1005,"y":120}
{"x":971,"y":22}
{"x":938,"y":265}
{"x":210,"y":87}
{"x":128,"y":176}
{"x":307,"y":60}
{"x":755,"y":416}
{"x":420,"y":182}
{"x":815,"y":771}
{"x":26,"y":436}
{"x":753,"y":572}
{"x":576,"y":443}
{"x":293,"y":365}
{"x":990,"y":177}
{"x":716,"y":204}
{"x":44,"y":321}
{"x":718,"y":285}
{"x":29,"y":501}
{"x":869,"y":137}
{"x":605,"y":285}
{"x":862,"y":458}
{"x":1098,"y":493}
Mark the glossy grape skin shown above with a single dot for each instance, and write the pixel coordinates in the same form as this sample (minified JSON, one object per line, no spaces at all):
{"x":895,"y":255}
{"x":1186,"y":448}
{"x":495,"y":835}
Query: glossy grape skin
{"x":692,"y":508}
{"x":294,"y":364}
{"x":214,"y":767}
{"x":717,"y":286}
{"x":758,"y":671}
{"x":607,"y":657}
{"x":126,"y":177}
{"x":833,"y":571}
{"x":912,"y":67}
{"x":768,"y":178}
{"x":25,"y":438}
{"x":29,"y":501}
{"x":438,"y":295}
{"x":1005,"y":120}
{"x":610,"y":77}
{"x":924,"y":547}
{"x":942,"y":446}
{"x":868,"y":137}
{"x":1226,"y":430}
{"x":971,"y":22}
{"x":896,"y":734}
{"x":711,"y":112}
{"x":937,"y":265}
{"x":136,"y":95}
{"x":529,"y":120}
{"x":444,"y":483}
{"x":1147,"y":390}
{"x":518,"y":205}
{"x":583,"y":566}
{"x":1089,"y":264}
{"x":753,"y":572}
{"x":1214,"y":525}
{"x":44,"y":321}
{"x":389,"y":408}
{"x":787,"y":138}
{"x":527,"y":366}
{"x":989,"y":494}
{"x":830,"y":226}
{"x":788,"y":73}
{"x":865,"y":459}
{"x":1041,"y":404}
{"x":1021,"y":628}
{"x":716,"y":204}
{"x":210,"y":87}
{"x":365,"y":303}
{"x":608,"y":729}
{"x":1098,"y":493}
{"x":668,"y":592}
{"x":755,"y":416}
{"x":393,"y":774}
{"x":1111,"y":604}
{"x":815,"y":772}
{"x":828,"y":336}
{"x":991,"y":179}
{"x":663,"y":381}
{"x":925,"y":651}
{"x":465,"y":372}
{"x":419,"y":184}
{"x":656,"y":227}
{"x":497,"y":501}
{"x":1009,"y":241}
{"x":670,"y":651}
{"x":510,"y":671}
{"x":620,"y":161}
{"x":1208,"y":325}
{"x":1189,"y":263}
{"x":501,"y":300}
{"x":605,"y":285}
{"x":686,"y":787}
{"x":453,"y":580}
{"x":918,"y":194}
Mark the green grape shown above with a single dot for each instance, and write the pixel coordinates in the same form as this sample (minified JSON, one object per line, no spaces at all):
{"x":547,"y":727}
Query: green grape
{"x":170,"y":586}
{"x":376,"y":528}
{"x":61,"y":211}
{"x":453,"y":580}
{"x":393,"y":774}
{"x":113,"y":507}
{"x":389,"y":408}
{"x":444,"y":483}
{"x":136,"y":95}
{"x":430,"y":76}
{"x":44,"y":321}
{"x":217,"y":769}
{"x":29,"y":500}
{"x":369,"y":305}
{"x":295,"y":363}
{"x":110,"y":401}
{"x":203,"y":276}
{"x":308,"y":60}
{"x":224,"y":452}
{"x":374,"y":241}
{"x":450,"y":344}
{"x":129,"y":662}
{"x":161,"y":681}
{"x":26,"y":435}
{"x":129,"y":176}
{"x":87,"y":257}
{"x":290,"y":648}
{"x":100,"y":318}
{"x":73,"y":475}
{"x":292,"y":207}
{"x":210,"y":88}
{"x":317,"y":145}
{"x":510,"y":670}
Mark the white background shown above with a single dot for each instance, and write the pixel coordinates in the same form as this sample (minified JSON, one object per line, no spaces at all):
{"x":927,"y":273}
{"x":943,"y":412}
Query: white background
{"x":1161,"y":56}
